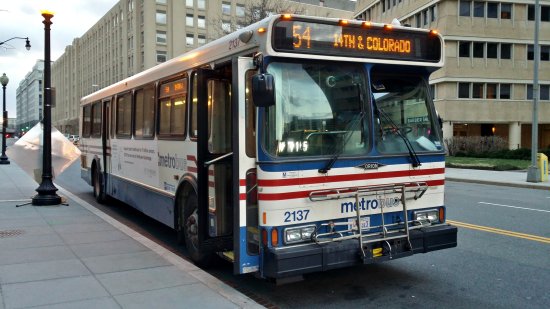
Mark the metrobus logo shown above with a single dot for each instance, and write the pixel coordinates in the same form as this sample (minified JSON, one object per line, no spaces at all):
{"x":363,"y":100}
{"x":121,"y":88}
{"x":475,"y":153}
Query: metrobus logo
{"x":347,"y":207}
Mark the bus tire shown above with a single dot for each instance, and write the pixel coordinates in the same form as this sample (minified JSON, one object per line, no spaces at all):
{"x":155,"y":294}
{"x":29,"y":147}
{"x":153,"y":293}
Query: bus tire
{"x":191,"y":232}
{"x":99,"y":190}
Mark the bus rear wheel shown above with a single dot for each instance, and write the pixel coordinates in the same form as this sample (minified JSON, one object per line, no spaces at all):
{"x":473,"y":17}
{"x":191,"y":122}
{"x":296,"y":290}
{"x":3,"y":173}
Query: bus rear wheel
{"x":99,"y":191}
{"x":191,"y":230}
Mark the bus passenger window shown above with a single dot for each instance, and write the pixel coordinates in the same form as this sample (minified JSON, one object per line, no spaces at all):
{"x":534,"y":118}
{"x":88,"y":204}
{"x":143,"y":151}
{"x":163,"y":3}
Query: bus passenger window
{"x":193,"y":107}
{"x":124,"y":115}
{"x":173,"y":108}
{"x":86,"y":121}
{"x":145,"y":112}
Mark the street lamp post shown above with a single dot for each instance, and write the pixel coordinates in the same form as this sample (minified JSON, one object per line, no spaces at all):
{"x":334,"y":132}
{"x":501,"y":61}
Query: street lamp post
{"x":27,"y":43}
{"x":47,"y":191}
{"x":4,"y":81}
{"x":533,"y":172}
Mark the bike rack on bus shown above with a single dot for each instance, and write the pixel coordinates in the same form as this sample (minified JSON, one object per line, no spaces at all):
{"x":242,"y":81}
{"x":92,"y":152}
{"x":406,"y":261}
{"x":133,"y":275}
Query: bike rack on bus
{"x":386,"y":232}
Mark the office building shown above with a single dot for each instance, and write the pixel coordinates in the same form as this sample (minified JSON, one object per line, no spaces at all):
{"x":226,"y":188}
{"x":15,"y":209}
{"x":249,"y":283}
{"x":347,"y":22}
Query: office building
{"x":486,"y":86}
{"x":138,"y":34}
{"x":29,"y":99}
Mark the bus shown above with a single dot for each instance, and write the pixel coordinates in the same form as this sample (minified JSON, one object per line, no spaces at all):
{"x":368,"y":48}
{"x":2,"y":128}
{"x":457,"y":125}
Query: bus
{"x":294,"y":145}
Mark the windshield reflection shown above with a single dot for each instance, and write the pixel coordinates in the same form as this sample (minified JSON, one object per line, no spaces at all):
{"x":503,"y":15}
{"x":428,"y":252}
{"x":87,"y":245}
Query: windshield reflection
{"x":318,"y":110}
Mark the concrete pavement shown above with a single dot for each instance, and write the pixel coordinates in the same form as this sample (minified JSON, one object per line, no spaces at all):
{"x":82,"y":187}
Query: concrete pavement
{"x":78,"y":257}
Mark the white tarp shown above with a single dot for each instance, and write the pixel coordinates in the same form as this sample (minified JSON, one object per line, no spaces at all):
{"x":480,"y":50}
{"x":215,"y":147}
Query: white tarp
{"x":27,"y":152}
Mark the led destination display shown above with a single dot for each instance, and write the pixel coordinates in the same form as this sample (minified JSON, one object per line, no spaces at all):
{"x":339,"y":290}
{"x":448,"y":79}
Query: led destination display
{"x":355,"y":41}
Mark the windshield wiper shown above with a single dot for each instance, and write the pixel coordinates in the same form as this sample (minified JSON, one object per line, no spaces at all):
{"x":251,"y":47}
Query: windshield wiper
{"x":352,"y":128}
{"x":415,"y":161}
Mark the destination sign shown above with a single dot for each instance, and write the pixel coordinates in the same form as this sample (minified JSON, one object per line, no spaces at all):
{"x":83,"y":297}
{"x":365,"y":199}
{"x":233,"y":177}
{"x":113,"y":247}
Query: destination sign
{"x":355,"y":41}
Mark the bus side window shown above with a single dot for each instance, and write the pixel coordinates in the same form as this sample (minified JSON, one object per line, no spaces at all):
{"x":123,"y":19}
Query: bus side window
{"x":193,"y":107}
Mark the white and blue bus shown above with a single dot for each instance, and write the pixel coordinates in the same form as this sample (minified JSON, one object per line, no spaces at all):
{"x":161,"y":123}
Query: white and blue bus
{"x":294,"y":145}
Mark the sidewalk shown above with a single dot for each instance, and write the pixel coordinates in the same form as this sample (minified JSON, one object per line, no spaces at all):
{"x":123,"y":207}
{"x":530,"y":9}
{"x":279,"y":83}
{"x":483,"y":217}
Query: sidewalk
{"x":500,"y":178}
{"x":77,"y":257}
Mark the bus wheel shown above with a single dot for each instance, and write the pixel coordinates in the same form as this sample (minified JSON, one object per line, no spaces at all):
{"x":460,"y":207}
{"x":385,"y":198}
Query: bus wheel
{"x":191,"y":232}
{"x":99,"y":192}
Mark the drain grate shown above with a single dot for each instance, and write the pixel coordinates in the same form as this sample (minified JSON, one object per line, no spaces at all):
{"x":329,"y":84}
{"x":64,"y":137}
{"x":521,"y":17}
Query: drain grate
{"x":11,"y":233}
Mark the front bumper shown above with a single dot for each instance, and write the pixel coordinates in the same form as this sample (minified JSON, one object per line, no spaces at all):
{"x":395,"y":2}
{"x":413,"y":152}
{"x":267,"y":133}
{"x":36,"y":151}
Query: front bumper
{"x":293,"y":261}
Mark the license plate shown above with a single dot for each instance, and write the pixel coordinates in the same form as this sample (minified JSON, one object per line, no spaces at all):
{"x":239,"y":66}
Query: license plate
{"x":365,"y":223}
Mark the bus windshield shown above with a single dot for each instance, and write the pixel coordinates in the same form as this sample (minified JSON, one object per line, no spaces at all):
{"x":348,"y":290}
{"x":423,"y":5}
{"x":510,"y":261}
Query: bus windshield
{"x":402,"y":111}
{"x":318,"y":110}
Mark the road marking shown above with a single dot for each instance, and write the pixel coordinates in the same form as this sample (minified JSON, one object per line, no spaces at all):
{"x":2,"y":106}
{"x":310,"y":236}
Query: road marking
{"x":545,"y":240}
{"x":509,"y":206}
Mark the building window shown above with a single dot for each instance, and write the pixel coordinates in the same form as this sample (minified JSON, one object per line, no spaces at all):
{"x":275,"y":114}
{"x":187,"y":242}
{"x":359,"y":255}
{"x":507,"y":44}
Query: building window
{"x":201,"y":22}
{"x":544,"y":52}
{"x":202,"y":40}
{"x":433,"y":13}
{"x":161,"y":1}
{"x":418,"y":19}
{"x":492,"y":9}
{"x":544,"y":92}
{"x":478,"y":49}
{"x":477,"y":90}
{"x":505,"y":10}
{"x":226,"y":27}
{"x":544,"y":13}
{"x":226,"y":8}
{"x":465,"y":8}
{"x":492,"y":50}
{"x":161,"y":56}
{"x":189,"y":20}
{"x":505,"y":51}
{"x":240,"y":10}
{"x":201,"y":4}
{"x":189,"y":3}
{"x":161,"y":37}
{"x":464,"y":90}
{"x":505,"y":92}
{"x":491,"y":91}
{"x":464,"y":49}
{"x":479,"y":9}
{"x":161,"y":17}
{"x":190,"y":40}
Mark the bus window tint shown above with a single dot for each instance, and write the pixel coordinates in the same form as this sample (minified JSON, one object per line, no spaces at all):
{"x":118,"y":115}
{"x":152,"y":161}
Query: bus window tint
{"x":173,"y":107}
{"x":318,"y":110}
{"x":96,"y":119}
{"x":219,"y":116}
{"x":250,"y":117}
{"x":145,"y":112}
{"x":401,"y":105}
{"x":86,"y":120}
{"x":124,"y":115}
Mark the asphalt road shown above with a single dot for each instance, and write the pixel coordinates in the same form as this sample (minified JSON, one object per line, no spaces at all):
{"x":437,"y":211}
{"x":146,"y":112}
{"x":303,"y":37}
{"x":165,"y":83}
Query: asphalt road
{"x":502,"y":259}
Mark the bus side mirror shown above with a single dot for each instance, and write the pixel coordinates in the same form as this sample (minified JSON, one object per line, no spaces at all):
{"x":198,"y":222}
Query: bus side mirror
{"x":263,"y":90}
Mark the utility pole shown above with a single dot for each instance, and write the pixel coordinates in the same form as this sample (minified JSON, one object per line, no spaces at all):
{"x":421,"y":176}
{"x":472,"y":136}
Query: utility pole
{"x":533,"y":173}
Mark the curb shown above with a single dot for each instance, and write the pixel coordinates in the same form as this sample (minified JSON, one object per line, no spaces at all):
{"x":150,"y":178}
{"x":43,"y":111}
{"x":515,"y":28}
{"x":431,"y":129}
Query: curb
{"x":503,"y":184}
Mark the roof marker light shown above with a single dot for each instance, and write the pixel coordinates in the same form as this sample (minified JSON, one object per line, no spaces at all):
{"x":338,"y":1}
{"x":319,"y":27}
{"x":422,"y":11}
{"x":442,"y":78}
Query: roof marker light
{"x":366,"y":24}
{"x":388,"y":27}
{"x":343,"y":22}
{"x":434,"y":32}
{"x":261,"y":30}
{"x":286,"y":16}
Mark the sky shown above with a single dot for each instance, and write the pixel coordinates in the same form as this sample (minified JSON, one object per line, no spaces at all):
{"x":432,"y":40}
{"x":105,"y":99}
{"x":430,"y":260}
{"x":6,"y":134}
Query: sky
{"x":22,"y":18}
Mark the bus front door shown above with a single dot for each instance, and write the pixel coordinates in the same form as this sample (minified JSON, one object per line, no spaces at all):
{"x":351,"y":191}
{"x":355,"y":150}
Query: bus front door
{"x":214,"y":161}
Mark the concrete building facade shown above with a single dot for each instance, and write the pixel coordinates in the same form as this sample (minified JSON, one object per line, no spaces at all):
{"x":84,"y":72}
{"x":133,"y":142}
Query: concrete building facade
{"x":485,"y":87}
{"x":138,"y":34}
{"x":29,"y":98}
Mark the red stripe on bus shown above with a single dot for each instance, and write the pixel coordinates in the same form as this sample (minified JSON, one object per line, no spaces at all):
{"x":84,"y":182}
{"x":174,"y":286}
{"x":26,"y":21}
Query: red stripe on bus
{"x":305,"y":194}
{"x":242,"y":182}
{"x":192,"y":158}
{"x":242,"y":196}
{"x":191,"y":169}
{"x":350,"y":177}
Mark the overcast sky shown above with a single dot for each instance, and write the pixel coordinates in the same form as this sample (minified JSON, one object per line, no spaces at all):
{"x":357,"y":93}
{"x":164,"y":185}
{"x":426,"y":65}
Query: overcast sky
{"x":21,"y":18}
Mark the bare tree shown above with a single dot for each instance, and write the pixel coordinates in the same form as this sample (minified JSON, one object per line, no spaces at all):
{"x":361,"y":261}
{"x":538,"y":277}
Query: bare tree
{"x":254,"y":11}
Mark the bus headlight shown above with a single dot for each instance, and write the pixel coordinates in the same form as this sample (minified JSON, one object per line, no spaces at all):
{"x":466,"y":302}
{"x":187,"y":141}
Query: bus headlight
{"x":426,"y":216}
{"x":299,"y":234}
